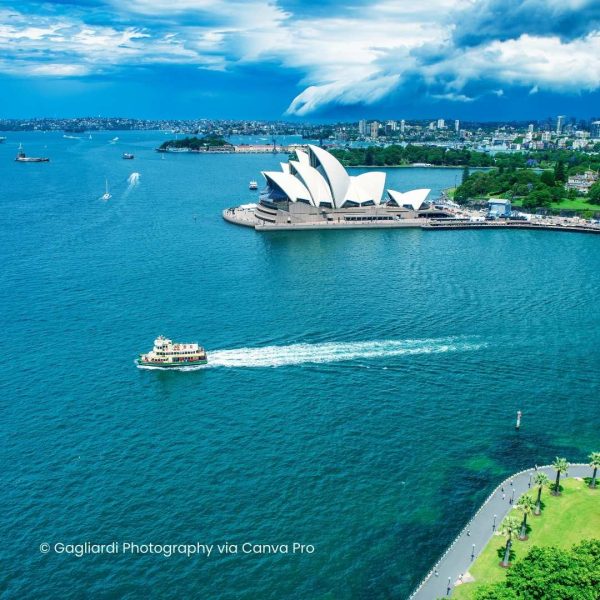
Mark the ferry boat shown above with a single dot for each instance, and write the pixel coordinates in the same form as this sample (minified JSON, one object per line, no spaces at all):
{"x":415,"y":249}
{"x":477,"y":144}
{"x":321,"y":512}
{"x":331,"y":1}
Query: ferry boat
{"x":128,"y":156}
{"x":22,"y":157}
{"x":167,"y":354}
{"x":253,"y":185}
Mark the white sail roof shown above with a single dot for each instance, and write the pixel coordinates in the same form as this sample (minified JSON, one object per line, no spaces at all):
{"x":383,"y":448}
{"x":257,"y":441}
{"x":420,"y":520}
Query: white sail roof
{"x":414,"y":198}
{"x":302,"y":156}
{"x":372,"y":183}
{"x":291,"y":186}
{"x":314,"y":181}
{"x":334,"y":173}
{"x":356,"y":193}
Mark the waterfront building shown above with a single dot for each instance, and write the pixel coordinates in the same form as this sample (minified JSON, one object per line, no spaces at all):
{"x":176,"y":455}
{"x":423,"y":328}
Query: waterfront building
{"x":316,"y":190}
{"x":582,"y":182}
{"x":498,"y":207}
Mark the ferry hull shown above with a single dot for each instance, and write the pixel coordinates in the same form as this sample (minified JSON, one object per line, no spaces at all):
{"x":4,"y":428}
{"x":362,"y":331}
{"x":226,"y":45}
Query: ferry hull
{"x":175,"y":365}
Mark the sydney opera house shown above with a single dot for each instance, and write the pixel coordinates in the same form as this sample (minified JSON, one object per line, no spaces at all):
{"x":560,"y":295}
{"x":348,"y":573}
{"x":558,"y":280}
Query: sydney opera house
{"x":315,"y":189}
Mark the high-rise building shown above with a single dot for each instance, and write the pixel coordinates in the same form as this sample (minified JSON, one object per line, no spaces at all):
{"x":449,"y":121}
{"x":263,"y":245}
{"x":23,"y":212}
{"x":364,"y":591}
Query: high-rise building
{"x":529,"y":135}
{"x":402,"y":125}
{"x":362,"y":127}
{"x":560,"y":121}
{"x":595,"y":130}
{"x":391,"y":125}
{"x":456,"y":125}
{"x":432,"y":125}
{"x":374,"y":129}
{"x":441,"y":124}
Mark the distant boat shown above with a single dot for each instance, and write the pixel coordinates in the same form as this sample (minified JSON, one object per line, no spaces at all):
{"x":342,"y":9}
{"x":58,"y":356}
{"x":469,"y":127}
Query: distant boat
{"x":2,"y":139}
{"x":71,"y":137}
{"x":253,"y":185}
{"x":22,"y":157}
{"x":128,"y":156}
{"x":107,"y":195}
{"x":90,"y":137}
{"x":114,"y":140}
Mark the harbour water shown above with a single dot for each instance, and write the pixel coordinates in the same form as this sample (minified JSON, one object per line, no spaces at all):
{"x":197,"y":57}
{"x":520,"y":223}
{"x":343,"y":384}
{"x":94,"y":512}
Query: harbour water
{"x":361,"y":394}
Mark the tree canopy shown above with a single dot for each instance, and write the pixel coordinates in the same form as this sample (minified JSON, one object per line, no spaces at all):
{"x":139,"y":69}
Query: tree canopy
{"x":549,"y":573}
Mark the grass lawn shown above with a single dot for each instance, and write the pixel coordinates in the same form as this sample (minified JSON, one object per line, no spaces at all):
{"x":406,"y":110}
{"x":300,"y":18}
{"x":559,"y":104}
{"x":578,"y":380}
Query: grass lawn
{"x":565,"y":521}
{"x":565,"y":204}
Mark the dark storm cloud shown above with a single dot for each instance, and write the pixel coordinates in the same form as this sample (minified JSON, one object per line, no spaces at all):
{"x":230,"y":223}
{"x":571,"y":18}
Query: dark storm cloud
{"x":509,"y":19}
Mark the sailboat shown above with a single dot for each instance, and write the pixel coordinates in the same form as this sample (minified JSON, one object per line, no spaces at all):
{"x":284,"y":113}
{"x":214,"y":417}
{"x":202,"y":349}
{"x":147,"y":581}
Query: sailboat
{"x":107,"y":195}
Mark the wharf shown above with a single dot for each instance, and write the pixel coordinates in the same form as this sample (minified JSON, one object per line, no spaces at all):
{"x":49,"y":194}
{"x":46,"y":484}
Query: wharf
{"x":244,"y":215}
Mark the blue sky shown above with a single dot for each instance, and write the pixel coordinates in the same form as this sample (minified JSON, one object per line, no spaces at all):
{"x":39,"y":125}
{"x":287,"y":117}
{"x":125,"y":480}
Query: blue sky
{"x":312,"y":60}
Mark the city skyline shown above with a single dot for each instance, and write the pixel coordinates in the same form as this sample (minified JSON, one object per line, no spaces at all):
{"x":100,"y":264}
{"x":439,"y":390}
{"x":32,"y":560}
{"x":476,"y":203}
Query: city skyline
{"x":295,"y":60}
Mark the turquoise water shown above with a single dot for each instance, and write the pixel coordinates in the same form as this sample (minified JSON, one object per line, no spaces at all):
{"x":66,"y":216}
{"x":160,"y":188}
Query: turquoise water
{"x":361,"y":394}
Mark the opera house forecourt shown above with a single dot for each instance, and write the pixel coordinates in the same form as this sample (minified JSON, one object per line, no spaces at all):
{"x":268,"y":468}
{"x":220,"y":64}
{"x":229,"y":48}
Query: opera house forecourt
{"x":316,"y":191}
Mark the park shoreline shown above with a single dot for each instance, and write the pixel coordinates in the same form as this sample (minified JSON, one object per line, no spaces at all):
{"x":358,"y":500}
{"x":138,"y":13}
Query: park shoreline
{"x":443,"y":575}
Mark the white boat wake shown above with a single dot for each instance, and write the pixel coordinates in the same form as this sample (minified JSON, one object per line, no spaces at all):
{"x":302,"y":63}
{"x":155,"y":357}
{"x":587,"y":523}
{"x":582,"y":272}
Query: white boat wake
{"x":330,"y":352}
{"x":132,"y":182}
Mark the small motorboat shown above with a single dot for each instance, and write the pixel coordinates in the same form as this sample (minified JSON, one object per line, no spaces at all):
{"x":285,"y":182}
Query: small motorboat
{"x":128,"y":156}
{"x":107,"y":195}
{"x":253,"y":185}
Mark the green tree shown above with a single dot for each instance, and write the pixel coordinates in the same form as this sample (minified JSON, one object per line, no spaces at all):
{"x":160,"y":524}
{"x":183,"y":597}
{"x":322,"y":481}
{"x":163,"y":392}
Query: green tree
{"x":561,"y":465}
{"x":509,"y":527}
{"x":541,"y":480}
{"x":550,"y":574}
{"x":538,"y":198}
{"x":465,"y":174}
{"x":593,"y":195}
{"x":555,"y":573}
{"x":559,"y":171}
{"x":547,"y":178}
{"x":526,"y":505}
{"x":595,"y":463}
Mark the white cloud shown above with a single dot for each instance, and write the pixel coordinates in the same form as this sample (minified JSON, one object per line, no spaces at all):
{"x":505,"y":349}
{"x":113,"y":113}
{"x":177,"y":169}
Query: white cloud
{"x":537,"y":62}
{"x":350,"y":57}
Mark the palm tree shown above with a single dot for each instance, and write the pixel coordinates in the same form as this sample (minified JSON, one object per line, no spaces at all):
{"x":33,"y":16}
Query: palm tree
{"x":561,"y":465}
{"x":509,"y":527}
{"x":541,"y":479}
{"x":527,"y":505}
{"x":594,"y":462}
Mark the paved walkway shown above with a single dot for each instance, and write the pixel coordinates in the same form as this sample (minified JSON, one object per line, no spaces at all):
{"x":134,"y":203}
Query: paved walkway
{"x":458,"y":558}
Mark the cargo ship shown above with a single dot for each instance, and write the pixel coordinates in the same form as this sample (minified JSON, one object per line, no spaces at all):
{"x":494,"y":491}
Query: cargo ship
{"x":22,"y":157}
{"x":168,"y":354}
